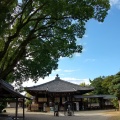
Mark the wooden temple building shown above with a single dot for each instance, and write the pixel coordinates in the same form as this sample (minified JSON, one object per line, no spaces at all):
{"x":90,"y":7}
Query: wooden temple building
{"x":64,"y":93}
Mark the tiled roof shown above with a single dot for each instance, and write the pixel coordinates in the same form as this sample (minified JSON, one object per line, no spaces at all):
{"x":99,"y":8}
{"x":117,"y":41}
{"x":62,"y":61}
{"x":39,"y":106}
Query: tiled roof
{"x":7,"y":90}
{"x":95,"y":96}
{"x":59,"y":85}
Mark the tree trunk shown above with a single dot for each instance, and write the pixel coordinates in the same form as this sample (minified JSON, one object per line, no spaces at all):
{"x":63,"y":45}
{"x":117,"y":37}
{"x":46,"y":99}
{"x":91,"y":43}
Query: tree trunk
{"x":119,"y":104}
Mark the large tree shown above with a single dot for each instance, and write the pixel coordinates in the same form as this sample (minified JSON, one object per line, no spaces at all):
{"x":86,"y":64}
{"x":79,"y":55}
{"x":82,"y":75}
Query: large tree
{"x":107,"y":83}
{"x":97,"y":84}
{"x":34,"y":34}
{"x":114,"y":88}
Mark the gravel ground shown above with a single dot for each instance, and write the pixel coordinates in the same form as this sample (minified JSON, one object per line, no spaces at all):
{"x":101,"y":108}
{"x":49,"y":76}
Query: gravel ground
{"x":82,"y":115}
{"x":46,"y":117}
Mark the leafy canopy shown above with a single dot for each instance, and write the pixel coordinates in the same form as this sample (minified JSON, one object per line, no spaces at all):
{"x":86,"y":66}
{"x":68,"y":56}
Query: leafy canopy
{"x":97,"y":84}
{"x":34,"y":34}
{"x":102,"y":84}
{"x":115,"y":86}
{"x":107,"y":83}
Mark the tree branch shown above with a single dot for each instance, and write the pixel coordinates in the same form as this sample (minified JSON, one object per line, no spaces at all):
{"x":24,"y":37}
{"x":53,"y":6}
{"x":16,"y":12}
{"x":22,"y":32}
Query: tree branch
{"x":9,"y":68}
{"x":20,"y":26}
{"x":18,"y":54}
{"x":30,"y":16}
{"x":24,"y":9}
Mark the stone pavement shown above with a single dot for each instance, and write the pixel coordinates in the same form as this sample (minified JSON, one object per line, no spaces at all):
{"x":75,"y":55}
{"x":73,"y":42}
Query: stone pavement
{"x":81,"y":115}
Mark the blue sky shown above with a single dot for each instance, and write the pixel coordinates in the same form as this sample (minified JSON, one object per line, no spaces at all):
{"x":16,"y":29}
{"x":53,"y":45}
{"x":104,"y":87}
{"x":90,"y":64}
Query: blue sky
{"x":100,"y":56}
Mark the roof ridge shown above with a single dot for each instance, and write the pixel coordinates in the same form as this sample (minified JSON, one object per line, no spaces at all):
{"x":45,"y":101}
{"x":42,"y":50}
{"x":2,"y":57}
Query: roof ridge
{"x":57,"y":79}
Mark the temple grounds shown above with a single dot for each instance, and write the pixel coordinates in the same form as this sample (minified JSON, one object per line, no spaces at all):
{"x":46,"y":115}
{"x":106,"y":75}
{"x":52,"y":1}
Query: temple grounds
{"x":81,"y":115}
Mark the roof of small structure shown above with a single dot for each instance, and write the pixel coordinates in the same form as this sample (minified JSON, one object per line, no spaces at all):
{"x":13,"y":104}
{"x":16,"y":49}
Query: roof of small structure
{"x":95,"y":96}
{"x":7,"y":90}
{"x":59,"y":85}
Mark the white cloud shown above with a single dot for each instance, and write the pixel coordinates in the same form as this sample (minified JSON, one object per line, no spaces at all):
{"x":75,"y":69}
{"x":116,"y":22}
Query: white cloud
{"x":40,"y":81}
{"x":77,"y":54}
{"x":58,"y":71}
{"x":69,"y":71}
{"x":85,"y":36}
{"x":61,"y":58}
{"x":55,"y":71}
{"x":76,"y":80}
{"x":85,"y":80}
{"x":115,"y":3}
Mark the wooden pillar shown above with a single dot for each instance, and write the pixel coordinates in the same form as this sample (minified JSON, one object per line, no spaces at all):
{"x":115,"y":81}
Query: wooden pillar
{"x":80,"y":103}
{"x":52,"y":98}
{"x":66,"y":98}
{"x":36,"y":99}
{"x":83,"y":104}
{"x":16,"y":112}
{"x":87,"y":103}
{"x":23,"y":108}
{"x":47,"y":96}
{"x":90,"y":102}
{"x":60,"y":100}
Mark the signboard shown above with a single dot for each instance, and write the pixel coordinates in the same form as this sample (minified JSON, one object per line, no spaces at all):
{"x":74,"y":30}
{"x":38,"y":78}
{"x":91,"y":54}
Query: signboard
{"x":42,"y":99}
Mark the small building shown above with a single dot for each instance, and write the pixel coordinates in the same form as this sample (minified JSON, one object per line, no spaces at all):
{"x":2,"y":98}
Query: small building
{"x":8,"y":94}
{"x":57,"y":91}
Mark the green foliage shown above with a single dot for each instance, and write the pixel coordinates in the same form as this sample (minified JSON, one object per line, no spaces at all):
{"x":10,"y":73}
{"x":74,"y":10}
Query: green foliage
{"x":107,"y":83}
{"x":115,"y":86}
{"x":102,"y":84}
{"x":84,"y":84}
{"x":115,"y":103}
{"x":97,"y":84}
{"x":28,"y":102}
{"x":36,"y":33}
